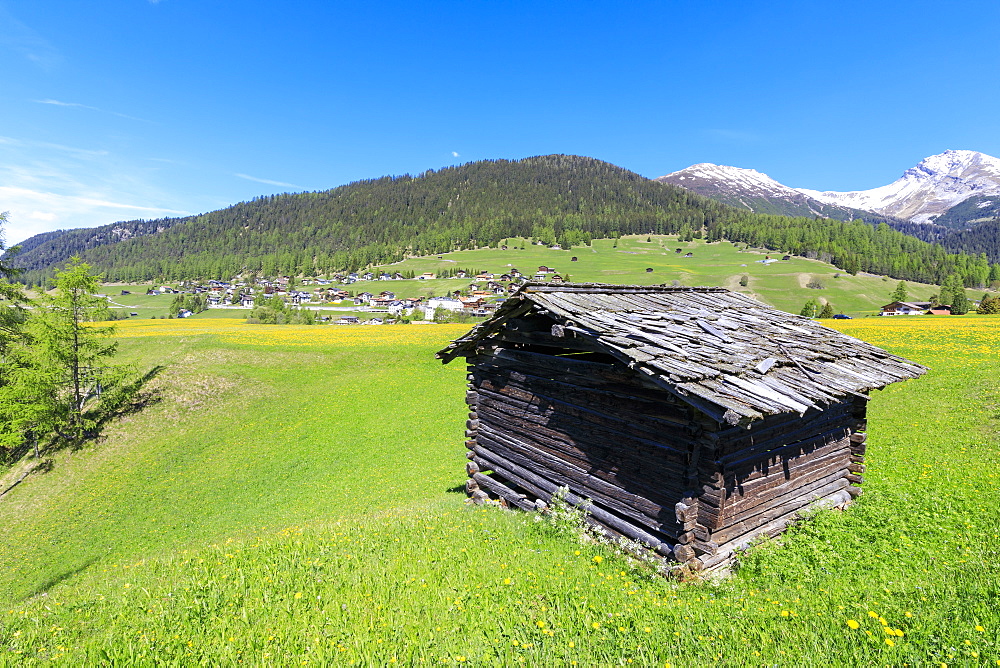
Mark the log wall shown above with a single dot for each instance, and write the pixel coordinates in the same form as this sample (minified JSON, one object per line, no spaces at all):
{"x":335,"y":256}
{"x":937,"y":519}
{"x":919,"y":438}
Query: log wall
{"x":654,"y":468}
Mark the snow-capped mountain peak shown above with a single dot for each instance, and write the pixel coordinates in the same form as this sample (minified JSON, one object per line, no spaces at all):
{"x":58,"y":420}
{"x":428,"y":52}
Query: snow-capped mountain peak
{"x":936,"y":184}
{"x":750,"y":189}
{"x":741,"y":179}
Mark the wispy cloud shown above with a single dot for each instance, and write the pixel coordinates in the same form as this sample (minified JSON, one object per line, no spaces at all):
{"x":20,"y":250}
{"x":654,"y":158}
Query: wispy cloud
{"x":47,"y":186}
{"x":10,"y":141}
{"x":60,"y":103}
{"x":26,"y":42}
{"x":454,"y":154}
{"x":269,"y":182}
{"x":35,"y":211}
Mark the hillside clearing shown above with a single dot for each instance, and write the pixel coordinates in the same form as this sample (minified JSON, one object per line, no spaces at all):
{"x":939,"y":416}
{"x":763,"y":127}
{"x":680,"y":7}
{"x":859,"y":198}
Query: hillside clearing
{"x":303,"y":505}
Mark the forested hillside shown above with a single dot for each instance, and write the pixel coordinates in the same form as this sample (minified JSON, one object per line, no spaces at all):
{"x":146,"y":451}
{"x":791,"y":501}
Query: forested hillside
{"x":555,"y":199}
{"x":984,"y":237}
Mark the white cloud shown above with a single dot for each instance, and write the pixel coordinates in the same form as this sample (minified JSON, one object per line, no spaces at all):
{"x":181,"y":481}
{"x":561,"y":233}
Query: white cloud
{"x":269,"y":182}
{"x":26,"y":42}
{"x":454,"y":154}
{"x":60,"y":103}
{"x":47,"y":186}
{"x":35,"y":211}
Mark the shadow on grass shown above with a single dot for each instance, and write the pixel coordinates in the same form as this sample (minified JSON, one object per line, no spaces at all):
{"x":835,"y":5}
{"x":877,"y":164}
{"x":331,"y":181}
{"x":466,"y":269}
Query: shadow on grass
{"x":56,"y":579}
{"x":128,"y":399}
{"x":134,"y":397}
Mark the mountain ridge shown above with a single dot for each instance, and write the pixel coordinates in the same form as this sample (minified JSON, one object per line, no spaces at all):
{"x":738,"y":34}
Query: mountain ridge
{"x":934,"y":189}
{"x":554,"y":199}
{"x":927,"y":190}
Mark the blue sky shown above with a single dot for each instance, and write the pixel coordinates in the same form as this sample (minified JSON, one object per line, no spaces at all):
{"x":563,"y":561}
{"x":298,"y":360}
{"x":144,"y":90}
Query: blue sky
{"x":122,"y":109}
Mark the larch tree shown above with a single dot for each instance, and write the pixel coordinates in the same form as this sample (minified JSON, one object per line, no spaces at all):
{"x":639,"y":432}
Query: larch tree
{"x":66,"y":359}
{"x":900,"y":293}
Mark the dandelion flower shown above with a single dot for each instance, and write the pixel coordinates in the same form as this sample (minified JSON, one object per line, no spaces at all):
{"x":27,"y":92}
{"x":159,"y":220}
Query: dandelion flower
{"x":596,"y":625}
{"x":980,"y":629}
{"x":890,"y":642}
{"x":853,"y":624}
{"x":598,"y":559}
{"x":540,"y":624}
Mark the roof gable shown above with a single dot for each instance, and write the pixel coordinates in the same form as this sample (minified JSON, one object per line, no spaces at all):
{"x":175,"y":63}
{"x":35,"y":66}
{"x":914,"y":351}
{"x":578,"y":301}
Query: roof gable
{"x":730,"y":356}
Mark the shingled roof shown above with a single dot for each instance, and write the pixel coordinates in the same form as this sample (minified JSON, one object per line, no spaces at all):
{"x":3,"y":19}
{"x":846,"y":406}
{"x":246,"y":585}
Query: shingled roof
{"x":726,"y":354}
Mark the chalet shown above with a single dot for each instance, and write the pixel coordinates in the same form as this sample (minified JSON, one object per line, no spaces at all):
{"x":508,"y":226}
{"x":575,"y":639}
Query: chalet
{"x":427,"y":276}
{"x":546,"y":270}
{"x":939,"y":310}
{"x":906,"y":308}
{"x":348,"y":320}
{"x":787,"y":257}
{"x":246,"y":301}
{"x":461,"y":274}
{"x":694,"y":419}
{"x":472,"y":302}
{"x":688,"y":254}
{"x":484,"y":276}
{"x":573,"y":259}
{"x":298,"y":297}
{"x":556,"y":278}
{"x":385,"y":277}
{"x":448,"y":304}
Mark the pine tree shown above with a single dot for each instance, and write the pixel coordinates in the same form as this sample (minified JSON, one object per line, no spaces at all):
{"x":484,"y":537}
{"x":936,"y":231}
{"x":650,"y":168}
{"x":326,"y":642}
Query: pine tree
{"x":810,"y":309}
{"x":827,"y":311}
{"x":899,"y":294}
{"x":989,"y":305}
{"x":64,"y":361}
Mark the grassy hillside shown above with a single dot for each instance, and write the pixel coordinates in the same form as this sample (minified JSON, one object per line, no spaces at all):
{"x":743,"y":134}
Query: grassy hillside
{"x":294,"y":497}
{"x":782,"y":284}
{"x":562,"y":199}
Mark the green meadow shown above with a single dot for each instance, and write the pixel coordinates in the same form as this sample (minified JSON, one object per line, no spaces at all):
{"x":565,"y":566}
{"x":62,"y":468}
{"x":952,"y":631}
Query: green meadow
{"x":784,"y":284}
{"x":293,"y":495}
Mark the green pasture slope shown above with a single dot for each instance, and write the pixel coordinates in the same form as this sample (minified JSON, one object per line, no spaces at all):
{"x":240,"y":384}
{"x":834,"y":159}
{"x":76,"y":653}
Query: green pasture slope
{"x":782,"y":284}
{"x":294,"y":497}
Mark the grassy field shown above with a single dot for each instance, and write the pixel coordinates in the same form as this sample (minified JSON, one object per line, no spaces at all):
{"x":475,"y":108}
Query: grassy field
{"x":783,"y":284}
{"x":294,"y":498}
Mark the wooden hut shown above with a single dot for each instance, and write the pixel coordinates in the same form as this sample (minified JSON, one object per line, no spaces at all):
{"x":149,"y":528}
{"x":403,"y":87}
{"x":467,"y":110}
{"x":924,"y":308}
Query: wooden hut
{"x":693,"y":419}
